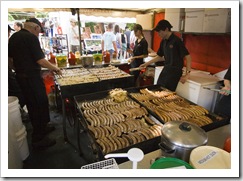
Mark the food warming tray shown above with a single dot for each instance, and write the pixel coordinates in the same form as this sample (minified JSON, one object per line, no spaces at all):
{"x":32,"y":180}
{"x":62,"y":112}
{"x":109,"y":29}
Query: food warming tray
{"x":217,"y":121}
{"x":68,"y":91}
{"x":147,"y":145}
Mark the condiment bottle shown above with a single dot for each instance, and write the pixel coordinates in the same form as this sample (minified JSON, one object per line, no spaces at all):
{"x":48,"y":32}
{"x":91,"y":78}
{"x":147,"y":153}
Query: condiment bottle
{"x":71,"y":58}
{"x":107,"y":57}
{"x":52,"y":58}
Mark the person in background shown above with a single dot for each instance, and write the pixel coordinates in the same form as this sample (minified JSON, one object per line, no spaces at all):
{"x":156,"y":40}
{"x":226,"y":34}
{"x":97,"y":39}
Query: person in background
{"x":124,"y":45}
{"x":140,"y":51}
{"x":109,"y":41}
{"x":74,"y":36}
{"x":172,"y":51}
{"x":127,"y":33}
{"x":132,"y":40}
{"x":18,"y":26}
{"x":118,"y":39}
{"x":223,"y":107}
{"x":25,"y":52}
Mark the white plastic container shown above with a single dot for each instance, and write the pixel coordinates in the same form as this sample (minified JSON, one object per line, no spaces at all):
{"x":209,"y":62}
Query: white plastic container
{"x":14,"y":158}
{"x":14,"y":114}
{"x":23,"y":147}
{"x":210,"y":157}
{"x":16,"y":129}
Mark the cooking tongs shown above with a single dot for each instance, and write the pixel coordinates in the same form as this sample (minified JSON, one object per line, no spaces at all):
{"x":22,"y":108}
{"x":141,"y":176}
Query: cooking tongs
{"x":134,"y":69}
{"x":217,"y":90}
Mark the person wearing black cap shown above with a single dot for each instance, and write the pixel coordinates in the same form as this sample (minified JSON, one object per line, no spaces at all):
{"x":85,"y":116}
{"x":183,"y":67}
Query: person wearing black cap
{"x":28,"y":58}
{"x":173,"y":52}
{"x":140,"y":51}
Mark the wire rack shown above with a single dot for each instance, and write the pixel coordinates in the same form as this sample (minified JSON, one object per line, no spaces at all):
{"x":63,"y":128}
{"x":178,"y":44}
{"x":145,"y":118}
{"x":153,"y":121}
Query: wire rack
{"x":105,"y":164}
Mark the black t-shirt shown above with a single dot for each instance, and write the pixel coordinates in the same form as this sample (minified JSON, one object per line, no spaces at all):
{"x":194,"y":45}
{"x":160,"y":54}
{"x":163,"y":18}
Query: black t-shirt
{"x":24,"y":48}
{"x":140,"y":48}
{"x":173,"y":51}
{"x":228,"y":74}
{"x":123,"y":40}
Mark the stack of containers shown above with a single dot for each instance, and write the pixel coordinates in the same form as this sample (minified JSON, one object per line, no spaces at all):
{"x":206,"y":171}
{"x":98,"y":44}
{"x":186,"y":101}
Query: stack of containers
{"x":208,"y":20}
{"x":176,"y":17}
{"x":18,"y":145}
{"x":194,"y":20}
{"x":217,"y":20}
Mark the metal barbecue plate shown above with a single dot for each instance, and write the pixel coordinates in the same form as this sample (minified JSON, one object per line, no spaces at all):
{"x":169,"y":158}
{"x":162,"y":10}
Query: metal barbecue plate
{"x":218,"y":121}
{"x":147,"y":145}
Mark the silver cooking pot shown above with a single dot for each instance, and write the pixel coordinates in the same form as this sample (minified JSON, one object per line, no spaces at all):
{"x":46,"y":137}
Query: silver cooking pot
{"x":179,"y":138}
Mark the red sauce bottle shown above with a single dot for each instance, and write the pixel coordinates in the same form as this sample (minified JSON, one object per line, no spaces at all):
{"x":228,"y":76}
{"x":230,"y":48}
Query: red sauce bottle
{"x":71,"y":58}
{"x":52,"y":58}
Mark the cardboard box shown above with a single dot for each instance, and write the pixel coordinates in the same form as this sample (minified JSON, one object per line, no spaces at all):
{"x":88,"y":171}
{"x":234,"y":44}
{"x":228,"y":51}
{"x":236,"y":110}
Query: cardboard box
{"x":194,"y":21}
{"x":193,"y":9}
{"x":176,"y":17}
{"x":145,"y":20}
{"x":217,"y":21}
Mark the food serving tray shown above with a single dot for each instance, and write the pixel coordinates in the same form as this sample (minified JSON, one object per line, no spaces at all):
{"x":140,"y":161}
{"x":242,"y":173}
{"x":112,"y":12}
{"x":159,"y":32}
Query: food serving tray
{"x":68,"y":91}
{"x":134,"y":128}
{"x":169,"y":109}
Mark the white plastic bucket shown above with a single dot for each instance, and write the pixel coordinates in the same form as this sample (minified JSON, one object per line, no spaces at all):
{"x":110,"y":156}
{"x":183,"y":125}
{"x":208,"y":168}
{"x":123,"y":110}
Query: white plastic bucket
{"x":22,"y":143}
{"x":14,"y":114}
{"x":14,"y":158}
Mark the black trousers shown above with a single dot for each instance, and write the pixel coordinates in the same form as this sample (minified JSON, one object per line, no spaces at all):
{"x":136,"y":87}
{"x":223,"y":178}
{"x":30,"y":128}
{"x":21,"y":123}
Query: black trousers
{"x":34,"y":92}
{"x":223,"y":107}
{"x":169,"y":77}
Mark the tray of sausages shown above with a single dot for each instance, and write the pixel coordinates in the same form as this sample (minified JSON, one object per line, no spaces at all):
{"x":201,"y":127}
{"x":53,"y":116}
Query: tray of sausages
{"x":117,"y":124}
{"x":166,"y":106}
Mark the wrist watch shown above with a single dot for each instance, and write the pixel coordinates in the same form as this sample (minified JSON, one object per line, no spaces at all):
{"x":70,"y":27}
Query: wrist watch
{"x":188,"y":71}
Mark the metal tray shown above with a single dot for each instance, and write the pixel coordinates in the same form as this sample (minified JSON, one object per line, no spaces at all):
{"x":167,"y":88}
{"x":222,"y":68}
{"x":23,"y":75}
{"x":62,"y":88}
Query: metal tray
{"x":218,"y":121}
{"x":68,"y":91}
{"x":147,"y":145}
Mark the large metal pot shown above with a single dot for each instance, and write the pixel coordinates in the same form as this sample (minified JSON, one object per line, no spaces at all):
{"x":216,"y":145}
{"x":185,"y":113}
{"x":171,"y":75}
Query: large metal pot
{"x":179,"y":138}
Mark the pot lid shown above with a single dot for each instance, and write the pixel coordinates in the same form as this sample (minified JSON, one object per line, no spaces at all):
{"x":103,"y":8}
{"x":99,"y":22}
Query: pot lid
{"x":184,"y":134}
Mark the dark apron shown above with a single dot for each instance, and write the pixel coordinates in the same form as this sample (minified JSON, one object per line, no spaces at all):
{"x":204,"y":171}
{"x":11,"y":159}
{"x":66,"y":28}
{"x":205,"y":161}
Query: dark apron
{"x":169,"y":77}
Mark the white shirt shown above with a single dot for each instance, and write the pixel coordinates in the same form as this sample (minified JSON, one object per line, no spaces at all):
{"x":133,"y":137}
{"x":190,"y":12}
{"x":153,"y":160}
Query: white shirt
{"x":108,"y":38}
{"x":72,"y":34}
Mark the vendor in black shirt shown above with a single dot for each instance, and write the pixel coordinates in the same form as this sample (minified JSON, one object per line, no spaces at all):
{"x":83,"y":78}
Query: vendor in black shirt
{"x":28,"y":58}
{"x":223,"y":107}
{"x":140,"y":52}
{"x":172,"y":51}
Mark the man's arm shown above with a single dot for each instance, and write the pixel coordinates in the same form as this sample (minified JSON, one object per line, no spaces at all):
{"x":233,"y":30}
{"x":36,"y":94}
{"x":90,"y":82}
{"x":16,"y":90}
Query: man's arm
{"x":44,"y":63}
{"x":188,"y":69}
{"x":155,"y":59}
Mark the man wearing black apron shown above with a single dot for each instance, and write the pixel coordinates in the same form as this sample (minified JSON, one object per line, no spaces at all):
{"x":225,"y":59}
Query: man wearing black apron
{"x":172,"y":51}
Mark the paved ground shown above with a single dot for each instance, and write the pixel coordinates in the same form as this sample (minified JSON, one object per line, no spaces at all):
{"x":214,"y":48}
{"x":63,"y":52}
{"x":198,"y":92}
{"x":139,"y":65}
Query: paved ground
{"x":60,"y":156}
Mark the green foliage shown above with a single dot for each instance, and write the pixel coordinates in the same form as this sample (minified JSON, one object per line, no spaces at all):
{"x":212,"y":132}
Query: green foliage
{"x":91,"y":25}
{"x":130,"y":25}
{"x":41,"y":14}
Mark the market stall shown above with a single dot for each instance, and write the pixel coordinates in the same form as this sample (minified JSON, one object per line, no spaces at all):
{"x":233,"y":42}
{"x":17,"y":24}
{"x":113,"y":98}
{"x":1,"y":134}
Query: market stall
{"x":96,"y":123}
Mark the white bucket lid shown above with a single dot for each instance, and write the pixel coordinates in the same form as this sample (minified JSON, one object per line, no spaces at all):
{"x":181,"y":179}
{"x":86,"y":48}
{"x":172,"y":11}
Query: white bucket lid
{"x":209,"y":157}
